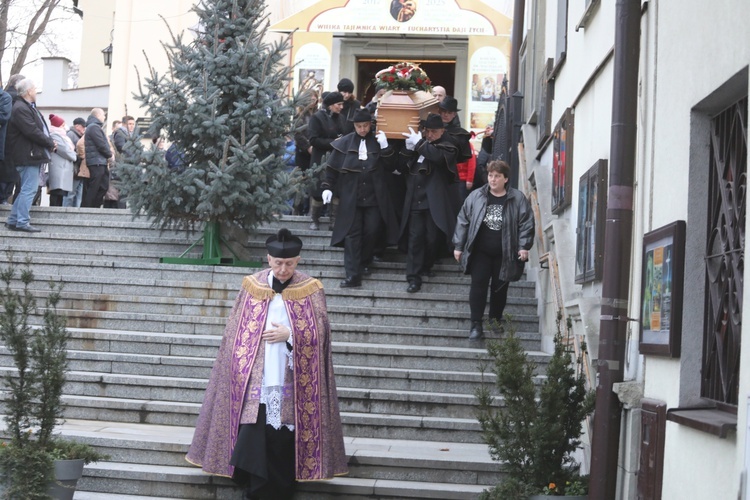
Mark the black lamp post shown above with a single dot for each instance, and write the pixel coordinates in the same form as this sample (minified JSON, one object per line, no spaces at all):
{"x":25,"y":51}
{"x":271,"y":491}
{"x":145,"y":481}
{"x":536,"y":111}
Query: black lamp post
{"x":107,"y":53}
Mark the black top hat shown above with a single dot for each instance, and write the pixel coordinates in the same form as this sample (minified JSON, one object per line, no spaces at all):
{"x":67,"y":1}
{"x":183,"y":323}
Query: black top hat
{"x":283,"y":245}
{"x":362,"y":115}
{"x":333,"y":98}
{"x":345,"y":85}
{"x":449,"y":104}
{"x":433,"y":121}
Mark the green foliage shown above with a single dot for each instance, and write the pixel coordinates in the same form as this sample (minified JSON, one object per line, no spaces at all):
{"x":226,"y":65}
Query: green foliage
{"x":222,"y":104}
{"x":34,"y":390}
{"x":66,"y":449}
{"x":534,"y":437}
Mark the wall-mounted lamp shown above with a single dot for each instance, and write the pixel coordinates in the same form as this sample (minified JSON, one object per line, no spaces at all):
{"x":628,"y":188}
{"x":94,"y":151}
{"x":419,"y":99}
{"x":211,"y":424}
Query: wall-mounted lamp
{"x":107,"y":51}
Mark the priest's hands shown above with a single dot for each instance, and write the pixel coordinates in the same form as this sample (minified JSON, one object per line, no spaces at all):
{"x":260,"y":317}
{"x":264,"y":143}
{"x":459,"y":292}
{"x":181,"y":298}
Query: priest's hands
{"x":327,"y":196}
{"x":412,"y":138}
{"x":382,"y":140}
{"x":277,"y":333}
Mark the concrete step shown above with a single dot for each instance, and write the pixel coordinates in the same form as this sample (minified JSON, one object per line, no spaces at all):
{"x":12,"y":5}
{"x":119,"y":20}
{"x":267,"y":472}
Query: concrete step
{"x":373,"y":354}
{"x":139,"y":452}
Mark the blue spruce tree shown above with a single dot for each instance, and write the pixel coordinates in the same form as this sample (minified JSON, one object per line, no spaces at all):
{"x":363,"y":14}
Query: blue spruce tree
{"x":222,"y":105}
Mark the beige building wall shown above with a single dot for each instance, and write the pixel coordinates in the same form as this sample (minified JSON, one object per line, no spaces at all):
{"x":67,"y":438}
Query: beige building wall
{"x":98,"y":21}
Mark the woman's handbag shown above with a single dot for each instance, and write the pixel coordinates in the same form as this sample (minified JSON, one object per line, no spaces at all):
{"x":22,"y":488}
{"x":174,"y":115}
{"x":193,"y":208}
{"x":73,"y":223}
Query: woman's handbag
{"x":83,"y":171}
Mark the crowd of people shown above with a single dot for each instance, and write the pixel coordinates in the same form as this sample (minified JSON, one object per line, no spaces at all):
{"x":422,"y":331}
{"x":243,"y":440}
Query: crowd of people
{"x":430,"y":194}
{"x":75,"y":164}
{"x":377,"y":192}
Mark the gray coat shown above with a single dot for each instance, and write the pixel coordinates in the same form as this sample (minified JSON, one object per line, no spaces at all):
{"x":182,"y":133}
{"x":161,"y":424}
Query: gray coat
{"x":61,"y":162}
{"x":518,"y":230}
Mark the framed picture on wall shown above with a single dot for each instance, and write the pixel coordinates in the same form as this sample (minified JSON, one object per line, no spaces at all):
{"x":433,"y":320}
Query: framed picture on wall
{"x":562,"y":163}
{"x":592,"y":208}
{"x":662,"y":289}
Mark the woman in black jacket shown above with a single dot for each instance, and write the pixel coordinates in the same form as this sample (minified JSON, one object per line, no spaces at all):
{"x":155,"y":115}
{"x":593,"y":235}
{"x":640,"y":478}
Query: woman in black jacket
{"x":324,"y":127}
{"x":493,"y":236}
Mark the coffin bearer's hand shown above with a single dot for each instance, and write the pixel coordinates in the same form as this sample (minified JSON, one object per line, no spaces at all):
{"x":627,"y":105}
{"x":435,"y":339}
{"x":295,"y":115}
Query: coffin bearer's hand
{"x":382,"y":140}
{"x":327,"y":196}
{"x":412,"y":138}
{"x":523,"y":255}
{"x":457,"y":255}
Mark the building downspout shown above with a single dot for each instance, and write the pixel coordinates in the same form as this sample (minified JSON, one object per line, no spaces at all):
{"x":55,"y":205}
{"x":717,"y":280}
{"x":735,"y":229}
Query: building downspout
{"x":617,"y":252}
{"x":515,"y":41}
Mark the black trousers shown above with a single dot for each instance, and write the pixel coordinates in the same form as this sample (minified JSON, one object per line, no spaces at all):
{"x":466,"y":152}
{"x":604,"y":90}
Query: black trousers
{"x":485,"y":270}
{"x":96,"y":187}
{"x":263,"y":460}
{"x":424,"y":237}
{"x":361,"y":239}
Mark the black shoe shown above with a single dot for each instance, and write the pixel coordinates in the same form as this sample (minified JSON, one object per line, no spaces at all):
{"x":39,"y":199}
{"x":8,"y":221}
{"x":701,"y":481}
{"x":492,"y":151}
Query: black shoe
{"x":28,"y":229}
{"x":413,"y":287}
{"x":351,"y":282}
{"x":366,"y":271}
{"x":12,"y":227}
{"x":476,"y":333}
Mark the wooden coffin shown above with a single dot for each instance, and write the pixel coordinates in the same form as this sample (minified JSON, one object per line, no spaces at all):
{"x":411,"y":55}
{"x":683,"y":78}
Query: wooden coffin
{"x":400,"y":109}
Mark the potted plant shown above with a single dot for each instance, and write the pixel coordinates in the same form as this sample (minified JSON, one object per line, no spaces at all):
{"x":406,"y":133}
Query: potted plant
{"x":537,"y":432}
{"x":33,"y":394}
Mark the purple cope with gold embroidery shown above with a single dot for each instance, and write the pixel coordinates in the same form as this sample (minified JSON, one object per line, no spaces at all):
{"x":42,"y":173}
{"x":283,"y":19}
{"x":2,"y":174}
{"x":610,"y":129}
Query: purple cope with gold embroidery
{"x":319,"y":442}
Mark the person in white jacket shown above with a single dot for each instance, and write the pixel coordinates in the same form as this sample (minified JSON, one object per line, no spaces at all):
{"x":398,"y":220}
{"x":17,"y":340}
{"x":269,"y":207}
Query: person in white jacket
{"x":60,"y":181}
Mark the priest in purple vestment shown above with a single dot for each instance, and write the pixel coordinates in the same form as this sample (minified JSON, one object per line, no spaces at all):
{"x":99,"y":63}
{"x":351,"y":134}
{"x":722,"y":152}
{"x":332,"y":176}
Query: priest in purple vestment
{"x":270,"y":416}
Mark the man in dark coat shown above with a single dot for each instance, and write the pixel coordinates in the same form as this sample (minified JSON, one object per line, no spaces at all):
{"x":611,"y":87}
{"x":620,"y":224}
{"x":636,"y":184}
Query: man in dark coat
{"x":324,"y":127}
{"x":432,"y":200}
{"x":351,"y":105}
{"x":6,"y":105}
{"x":8,"y":175}
{"x":357,"y":169}
{"x":29,"y":147}
{"x":448,"y":109}
{"x":98,"y":153}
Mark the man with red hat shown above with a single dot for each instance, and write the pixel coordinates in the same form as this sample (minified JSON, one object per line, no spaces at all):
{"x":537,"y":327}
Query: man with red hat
{"x":270,"y":416}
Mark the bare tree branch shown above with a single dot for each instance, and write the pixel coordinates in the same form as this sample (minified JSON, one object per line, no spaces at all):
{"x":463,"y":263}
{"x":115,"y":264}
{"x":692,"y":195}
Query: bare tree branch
{"x":36,"y":28}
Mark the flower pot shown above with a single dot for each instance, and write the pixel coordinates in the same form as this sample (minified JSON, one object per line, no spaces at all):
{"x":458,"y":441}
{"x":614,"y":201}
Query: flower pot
{"x":67,"y":474}
{"x":400,"y":109}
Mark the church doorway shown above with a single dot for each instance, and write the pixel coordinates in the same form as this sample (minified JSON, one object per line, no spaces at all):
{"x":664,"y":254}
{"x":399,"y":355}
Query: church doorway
{"x":441,"y":72}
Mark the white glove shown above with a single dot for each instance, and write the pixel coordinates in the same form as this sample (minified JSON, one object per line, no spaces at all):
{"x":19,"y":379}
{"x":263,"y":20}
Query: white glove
{"x":382,"y":140}
{"x":412,"y":138}
{"x":327,"y":196}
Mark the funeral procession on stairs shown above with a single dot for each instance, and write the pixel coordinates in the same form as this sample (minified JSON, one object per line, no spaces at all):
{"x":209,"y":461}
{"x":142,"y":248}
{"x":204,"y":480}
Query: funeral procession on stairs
{"x":359,"y":249}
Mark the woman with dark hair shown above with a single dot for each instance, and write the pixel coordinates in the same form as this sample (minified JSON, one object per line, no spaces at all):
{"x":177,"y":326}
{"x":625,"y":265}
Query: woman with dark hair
{"x":493,"y":236}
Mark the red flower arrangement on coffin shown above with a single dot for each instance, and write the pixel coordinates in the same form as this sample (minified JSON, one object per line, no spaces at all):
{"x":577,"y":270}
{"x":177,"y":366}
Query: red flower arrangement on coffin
{"x":404,"y":76}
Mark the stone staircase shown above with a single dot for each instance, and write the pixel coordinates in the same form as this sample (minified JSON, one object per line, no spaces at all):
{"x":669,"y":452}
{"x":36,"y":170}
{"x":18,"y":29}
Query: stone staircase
{"x":144,"y":336}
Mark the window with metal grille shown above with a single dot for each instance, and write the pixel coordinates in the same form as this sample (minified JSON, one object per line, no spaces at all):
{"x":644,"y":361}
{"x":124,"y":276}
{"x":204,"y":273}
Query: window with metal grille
{"x":725,"y":254}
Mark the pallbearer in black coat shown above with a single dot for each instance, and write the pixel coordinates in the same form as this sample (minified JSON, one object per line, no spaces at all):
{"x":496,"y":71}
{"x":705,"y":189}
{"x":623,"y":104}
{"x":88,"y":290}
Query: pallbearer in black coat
{"x":432,"y":198}
{"x":357,"y":170}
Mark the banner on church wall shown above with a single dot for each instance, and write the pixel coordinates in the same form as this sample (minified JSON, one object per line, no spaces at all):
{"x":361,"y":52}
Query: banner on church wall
{"x":311,"y":56}
{"x":488,"y":68}
{"x":400,"y":17}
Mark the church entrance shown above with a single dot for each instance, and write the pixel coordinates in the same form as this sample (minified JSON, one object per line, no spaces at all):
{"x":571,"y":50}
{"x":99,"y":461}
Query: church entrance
{"x":441,"y":72}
